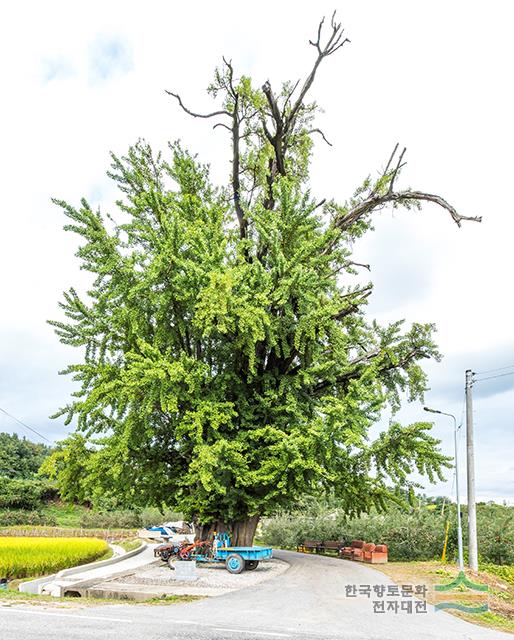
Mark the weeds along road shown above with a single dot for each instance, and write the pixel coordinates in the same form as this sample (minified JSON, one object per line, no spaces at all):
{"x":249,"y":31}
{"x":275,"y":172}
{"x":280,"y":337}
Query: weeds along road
{"x":307,"y":601}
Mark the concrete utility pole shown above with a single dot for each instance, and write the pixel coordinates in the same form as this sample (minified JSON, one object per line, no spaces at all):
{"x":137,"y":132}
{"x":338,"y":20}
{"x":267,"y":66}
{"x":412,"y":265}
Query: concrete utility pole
{"x":470,"y":448}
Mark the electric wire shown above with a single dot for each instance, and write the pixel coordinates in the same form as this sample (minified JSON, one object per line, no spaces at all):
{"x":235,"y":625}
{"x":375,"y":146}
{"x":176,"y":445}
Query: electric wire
{"x":25,"y":425}
{"x":501,"y":375}
{"x":479,"y":373}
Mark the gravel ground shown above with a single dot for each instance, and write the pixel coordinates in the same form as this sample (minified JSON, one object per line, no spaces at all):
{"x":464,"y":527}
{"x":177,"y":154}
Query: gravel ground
{"x":213,"y":579}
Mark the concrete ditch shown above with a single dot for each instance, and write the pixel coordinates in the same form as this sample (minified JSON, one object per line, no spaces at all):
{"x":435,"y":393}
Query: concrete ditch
{"x":57,"y":583}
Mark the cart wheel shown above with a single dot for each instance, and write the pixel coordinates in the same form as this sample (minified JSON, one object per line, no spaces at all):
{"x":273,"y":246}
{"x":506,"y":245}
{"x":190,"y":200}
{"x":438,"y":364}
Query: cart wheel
{"x":165,"y":556}
{"x":234,"y":563}
{"x":250,"y":565}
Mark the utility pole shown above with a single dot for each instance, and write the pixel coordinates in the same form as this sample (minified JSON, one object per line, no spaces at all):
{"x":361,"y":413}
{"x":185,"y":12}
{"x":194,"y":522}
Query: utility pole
{"x":470,"y":449}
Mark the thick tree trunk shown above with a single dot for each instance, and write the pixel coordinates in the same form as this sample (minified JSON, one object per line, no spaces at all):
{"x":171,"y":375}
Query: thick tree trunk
{"x":241,"y":532}
{"x":206,"y":531}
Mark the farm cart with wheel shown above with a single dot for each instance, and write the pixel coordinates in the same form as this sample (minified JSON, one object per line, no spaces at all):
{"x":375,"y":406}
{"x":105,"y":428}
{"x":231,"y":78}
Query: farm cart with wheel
{"x":235,"y":559}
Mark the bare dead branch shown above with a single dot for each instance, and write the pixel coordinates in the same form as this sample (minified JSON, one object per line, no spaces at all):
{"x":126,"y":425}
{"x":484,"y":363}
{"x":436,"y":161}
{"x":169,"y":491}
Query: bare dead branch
{"x":276,"y":115}
{"x":357,"y":297}
{"x":288,"y":98}
{"x":401,"y":197}
{"x":358,"y":264}
{"x":284,"y":122}
{"x":230,"y":68}
{"x":399,"y":165}
{"x":228,"y":83}
{"x":222,"y":112}
{"x":236,"y":181}
{"x":365,"y":290}
{"x":321,"y":134}
{"x":334,"y":42}
{"x":316,"y":44}
{"x":320,"y":204}
{"x":391,"y":159}
{"x":376,"y":201}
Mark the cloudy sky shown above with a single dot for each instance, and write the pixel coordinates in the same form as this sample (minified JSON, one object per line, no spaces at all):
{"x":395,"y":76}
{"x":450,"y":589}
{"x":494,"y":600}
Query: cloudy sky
{"x":80,"y":79}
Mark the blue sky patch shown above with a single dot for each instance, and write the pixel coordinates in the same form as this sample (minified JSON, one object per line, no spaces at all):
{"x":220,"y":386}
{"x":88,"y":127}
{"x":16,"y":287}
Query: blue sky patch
{"x":109,"y":57}
{"x":56,"y":69}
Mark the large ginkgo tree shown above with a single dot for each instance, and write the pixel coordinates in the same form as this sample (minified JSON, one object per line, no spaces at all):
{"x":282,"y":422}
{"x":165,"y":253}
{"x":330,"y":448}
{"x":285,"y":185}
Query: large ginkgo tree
{"x":226,"y":365}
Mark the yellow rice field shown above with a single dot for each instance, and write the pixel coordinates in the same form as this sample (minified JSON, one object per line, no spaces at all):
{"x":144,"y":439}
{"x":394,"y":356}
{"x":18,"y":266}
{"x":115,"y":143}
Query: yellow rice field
{"x":23,"y":557}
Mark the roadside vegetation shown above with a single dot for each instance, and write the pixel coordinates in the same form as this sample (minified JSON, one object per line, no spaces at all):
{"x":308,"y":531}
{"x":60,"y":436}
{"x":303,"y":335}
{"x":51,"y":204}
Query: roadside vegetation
{"x":499,"y":597}
{"x":130,"y":545}
{"x":30,"y":557}
{"x":14,"y":596}
{"x":415,"y":533}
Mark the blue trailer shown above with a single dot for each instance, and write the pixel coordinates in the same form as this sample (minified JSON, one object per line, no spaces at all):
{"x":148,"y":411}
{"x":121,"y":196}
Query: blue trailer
{"x":235,"y":559}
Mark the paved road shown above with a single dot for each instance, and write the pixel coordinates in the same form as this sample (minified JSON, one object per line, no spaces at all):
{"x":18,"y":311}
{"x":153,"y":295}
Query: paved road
{"x":307,"y":601}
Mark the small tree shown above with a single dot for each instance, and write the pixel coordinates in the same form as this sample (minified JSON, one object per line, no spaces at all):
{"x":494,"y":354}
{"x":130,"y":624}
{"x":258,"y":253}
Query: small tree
{"x":228,"y":367}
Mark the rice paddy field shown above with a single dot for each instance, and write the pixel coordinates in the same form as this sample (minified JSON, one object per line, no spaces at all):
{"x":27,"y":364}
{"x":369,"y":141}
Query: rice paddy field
{"x":22,"y":557}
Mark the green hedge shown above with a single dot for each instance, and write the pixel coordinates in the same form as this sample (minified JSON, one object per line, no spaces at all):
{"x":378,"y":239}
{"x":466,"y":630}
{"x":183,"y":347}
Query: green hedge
{"x":21,"y":517}
{"x":30,"y":514}
{"x":126,"y":519}
{"x":418,"y":535}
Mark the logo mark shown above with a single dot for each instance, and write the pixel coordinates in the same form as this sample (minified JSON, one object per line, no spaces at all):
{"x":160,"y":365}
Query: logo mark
{"x":461,"y":579}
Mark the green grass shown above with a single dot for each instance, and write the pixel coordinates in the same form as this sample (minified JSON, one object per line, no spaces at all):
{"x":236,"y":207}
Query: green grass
{"x":11,"y":595}
{"x":501,"y":570}
{"x":172,"y":599}
{"x":29,"y":556}
{"x":495,"y":621}
{"x":65,"y":515}
{"x":500,"y":596}
{"x":130,"y":545}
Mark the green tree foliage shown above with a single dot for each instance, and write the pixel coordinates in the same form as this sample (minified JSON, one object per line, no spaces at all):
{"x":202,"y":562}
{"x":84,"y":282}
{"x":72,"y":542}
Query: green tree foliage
{"x":19,"y":493}
{"x":20,"y":458}
{"x":228,"y":364}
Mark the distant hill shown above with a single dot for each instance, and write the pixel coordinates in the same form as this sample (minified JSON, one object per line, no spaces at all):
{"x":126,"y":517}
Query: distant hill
{"x":19,"y":457}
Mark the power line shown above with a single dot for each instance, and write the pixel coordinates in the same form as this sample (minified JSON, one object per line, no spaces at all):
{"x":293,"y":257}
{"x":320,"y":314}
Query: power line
{"x":25,"y":425}
{"x":501,"y":375}
{"x":479,"y":373}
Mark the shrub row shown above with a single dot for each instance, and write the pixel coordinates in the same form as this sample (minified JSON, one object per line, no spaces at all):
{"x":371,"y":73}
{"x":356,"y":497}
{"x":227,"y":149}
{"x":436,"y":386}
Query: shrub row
{"x":127,"y":519}
{"x":21,"y":517}
{"x":89,"y":519}
{"x":418,"y":535}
